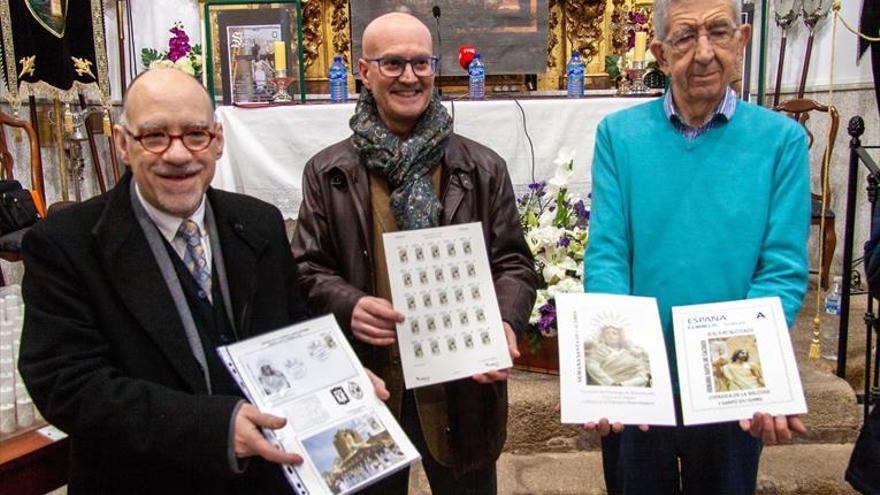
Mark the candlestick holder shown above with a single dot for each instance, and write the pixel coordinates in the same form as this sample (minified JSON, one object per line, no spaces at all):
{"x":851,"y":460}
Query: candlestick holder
{"x":281,"y":82}
{"x":637,"y":75}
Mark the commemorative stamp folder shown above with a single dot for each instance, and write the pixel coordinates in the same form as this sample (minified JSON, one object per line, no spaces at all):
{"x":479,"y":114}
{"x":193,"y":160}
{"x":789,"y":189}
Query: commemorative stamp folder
{"x":733,"y":358}
{"x":309,"y":374}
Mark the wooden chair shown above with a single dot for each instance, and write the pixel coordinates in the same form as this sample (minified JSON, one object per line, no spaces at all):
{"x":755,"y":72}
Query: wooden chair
{"x":800,"y":109}
{"x":10,"y":243}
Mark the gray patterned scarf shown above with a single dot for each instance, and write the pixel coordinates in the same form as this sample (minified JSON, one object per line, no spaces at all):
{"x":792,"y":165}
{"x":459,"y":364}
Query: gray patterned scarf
{"x":405,"y":164}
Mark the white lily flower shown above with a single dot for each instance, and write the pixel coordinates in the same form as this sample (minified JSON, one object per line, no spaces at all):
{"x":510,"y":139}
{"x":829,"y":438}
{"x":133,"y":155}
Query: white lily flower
{"x":565,"y":286}
{"x":564,"y":169}
{"x":552,"y":274}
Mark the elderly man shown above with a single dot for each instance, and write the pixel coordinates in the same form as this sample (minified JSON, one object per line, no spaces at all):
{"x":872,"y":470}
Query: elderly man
{"x":129,"y":293}
{"x":403,"y":169}
{"x":698,"y":197}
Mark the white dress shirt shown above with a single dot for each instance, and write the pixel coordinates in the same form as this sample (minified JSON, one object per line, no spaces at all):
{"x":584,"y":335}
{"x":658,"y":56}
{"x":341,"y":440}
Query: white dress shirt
{"x":169,"y":225}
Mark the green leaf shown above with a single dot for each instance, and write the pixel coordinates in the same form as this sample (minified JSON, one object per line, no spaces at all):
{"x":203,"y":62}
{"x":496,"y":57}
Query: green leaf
{"x":561,"y":210}
{"x":149,"y":55}
{"x":611,"y":66}
{"x":532,"y":219}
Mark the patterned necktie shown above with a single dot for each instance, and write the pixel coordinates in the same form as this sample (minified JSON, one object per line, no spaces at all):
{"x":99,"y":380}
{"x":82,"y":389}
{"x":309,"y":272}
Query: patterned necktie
{"x":194,"y":257}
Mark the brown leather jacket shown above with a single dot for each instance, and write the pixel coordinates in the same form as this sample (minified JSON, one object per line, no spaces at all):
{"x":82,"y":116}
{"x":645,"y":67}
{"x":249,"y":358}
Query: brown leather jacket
{"x":333,"y":247}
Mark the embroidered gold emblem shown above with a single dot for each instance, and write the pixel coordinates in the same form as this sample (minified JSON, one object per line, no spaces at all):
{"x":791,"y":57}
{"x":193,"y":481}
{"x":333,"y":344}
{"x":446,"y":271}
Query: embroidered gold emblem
{"x":82,"y":66}
{"x":28,"y":66}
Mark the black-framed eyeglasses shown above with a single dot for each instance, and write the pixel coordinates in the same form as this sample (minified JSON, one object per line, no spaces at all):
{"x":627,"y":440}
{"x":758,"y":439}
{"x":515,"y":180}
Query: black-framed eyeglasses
{"x":685,"y":40}
{"x":158,"y":141}
{"x":394,"y":65}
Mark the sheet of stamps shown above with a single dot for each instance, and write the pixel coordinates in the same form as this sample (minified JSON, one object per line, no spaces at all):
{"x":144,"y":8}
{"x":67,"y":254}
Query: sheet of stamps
{"x":441,"y":281}
{"x":309,"y":374}
{"x":735,"y":359}
{"x":612,"y":360}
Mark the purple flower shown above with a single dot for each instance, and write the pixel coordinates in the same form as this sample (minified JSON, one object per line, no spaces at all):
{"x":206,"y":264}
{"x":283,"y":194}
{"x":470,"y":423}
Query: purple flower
{"x":537,"y":188}
{"x":563,"y":242}
{"x":178,"y":45}
{"x":582,"y":210}
{"x":548,"y":316}
{"x":638,"y":17}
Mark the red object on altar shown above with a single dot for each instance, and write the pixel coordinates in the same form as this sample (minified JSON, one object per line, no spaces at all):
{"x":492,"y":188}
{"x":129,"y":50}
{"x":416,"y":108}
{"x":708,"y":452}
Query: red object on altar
{"x":466,"y":55}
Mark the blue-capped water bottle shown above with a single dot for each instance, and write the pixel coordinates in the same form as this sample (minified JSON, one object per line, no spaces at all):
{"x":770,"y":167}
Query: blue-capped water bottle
{"x":575,"y":75}
{"x":832,"y":298}
{"x":338,"y":81}
{"x":476,"y":78}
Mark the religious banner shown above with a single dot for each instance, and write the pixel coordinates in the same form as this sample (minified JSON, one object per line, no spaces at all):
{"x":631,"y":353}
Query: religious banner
{"x":53,"y":48}
{"x":511,"y":35}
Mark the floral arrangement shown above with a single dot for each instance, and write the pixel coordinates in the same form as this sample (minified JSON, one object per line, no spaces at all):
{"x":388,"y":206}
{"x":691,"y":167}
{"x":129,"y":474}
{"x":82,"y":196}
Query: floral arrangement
{"x":179,"y":55}
{"x":556,"y":228}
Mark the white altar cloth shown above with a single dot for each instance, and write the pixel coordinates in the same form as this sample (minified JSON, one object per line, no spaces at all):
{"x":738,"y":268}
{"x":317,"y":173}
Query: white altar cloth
{"x":267,"y":148}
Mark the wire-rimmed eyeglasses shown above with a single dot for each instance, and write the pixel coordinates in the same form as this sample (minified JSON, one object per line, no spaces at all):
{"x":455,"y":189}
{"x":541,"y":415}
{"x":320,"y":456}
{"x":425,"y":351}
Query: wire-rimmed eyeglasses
{"x":394,"y":65}
{"x":685,"y":40}
{"x":158,"y":141}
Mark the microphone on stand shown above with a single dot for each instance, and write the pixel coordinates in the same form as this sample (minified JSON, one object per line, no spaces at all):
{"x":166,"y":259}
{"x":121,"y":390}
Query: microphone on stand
{"x":436,"y":12}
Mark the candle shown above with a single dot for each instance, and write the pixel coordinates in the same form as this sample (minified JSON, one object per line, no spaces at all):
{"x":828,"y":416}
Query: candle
{"x":280,"y":57}
{"x":641,"y":40}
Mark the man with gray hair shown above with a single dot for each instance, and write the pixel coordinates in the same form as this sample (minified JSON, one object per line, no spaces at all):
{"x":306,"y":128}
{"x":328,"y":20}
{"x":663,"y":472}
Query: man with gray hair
{"x":697,"y":197}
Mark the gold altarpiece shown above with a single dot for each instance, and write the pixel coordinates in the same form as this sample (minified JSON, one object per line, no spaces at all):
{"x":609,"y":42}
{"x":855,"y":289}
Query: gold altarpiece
{"x":589,"y":26}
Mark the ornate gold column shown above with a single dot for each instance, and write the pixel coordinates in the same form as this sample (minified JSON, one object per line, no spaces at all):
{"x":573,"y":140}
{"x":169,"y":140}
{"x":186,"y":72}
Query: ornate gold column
{"x":581,"y":25}
{"x":326,"y":33}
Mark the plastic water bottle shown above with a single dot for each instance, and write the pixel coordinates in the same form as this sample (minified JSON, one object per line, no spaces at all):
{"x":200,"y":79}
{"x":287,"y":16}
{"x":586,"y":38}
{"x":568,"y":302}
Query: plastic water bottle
{"x":476,"y":79}
{"x":832,"y":298}
{"x":575,"y":75}
{"x":338,"y":81}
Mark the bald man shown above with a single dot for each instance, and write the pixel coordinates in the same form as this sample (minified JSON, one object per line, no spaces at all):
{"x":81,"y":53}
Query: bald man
{"x":128,"y":295}
{"x":404,"y":169}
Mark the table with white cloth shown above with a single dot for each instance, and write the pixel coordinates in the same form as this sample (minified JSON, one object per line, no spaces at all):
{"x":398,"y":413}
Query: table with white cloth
{"x":267,"y":148}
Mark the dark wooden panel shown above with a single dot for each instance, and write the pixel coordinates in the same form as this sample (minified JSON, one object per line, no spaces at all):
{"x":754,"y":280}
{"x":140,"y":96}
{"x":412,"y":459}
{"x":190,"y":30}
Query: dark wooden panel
{"x":31,"y":464}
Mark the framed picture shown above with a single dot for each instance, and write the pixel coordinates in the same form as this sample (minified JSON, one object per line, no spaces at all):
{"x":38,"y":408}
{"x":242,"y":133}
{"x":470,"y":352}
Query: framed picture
{"x":249,"y":45}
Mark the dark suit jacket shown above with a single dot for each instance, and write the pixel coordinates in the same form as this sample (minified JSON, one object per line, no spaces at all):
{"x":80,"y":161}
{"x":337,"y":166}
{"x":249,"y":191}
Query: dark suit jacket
{"x":105,"y":356}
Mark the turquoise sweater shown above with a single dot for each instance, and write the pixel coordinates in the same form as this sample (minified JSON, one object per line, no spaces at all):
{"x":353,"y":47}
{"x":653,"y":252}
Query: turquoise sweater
{"x":720,"y":218}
